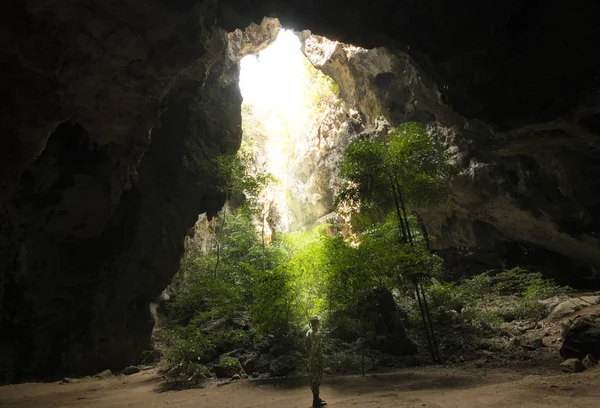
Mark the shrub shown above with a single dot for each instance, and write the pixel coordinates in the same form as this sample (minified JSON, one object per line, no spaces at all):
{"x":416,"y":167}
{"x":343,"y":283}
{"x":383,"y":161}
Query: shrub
{"x":186,"y":374}
{"x":184,"y":344}
{"x":227,"y":367}
{"x":224,"y":340}
{"x":477,"y":297}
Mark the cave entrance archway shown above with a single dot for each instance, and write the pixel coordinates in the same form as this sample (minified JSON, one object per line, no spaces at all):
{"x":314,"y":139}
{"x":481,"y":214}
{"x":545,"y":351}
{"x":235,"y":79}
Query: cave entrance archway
{"x":119,"y":69}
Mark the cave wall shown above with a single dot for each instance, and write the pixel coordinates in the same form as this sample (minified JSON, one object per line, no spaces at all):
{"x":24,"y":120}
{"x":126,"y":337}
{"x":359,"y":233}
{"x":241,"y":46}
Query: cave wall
{"x":110,"y":111}
{"x":508,"y":63}
{"x":106,"y":145}
{"x":533,"y":185}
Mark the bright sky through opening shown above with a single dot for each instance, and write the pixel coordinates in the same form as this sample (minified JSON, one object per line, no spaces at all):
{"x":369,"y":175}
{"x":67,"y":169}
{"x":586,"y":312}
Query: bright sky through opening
{"x":274,"y":79}
{"x":274,"y":84}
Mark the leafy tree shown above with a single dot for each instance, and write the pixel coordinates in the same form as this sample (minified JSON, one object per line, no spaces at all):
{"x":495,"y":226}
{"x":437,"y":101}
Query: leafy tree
{"x":235,"y":178}
{"x":404,"y":171}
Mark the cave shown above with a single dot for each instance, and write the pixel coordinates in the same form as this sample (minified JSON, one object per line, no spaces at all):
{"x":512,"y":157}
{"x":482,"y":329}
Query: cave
{"x":111,"y":111}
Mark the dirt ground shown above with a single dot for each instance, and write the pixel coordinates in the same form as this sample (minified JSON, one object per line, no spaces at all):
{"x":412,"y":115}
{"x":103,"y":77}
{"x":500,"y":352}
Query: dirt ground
{"x":432,"y":387}
{"x":535,"y":383}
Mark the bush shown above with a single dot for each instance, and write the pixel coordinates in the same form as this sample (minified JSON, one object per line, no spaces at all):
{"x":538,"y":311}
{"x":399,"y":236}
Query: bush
{"x":478,"y":300}
{"x":225,"y":340}
{"x":184,"y":344}
{"x":227,"y":367}
{"x":187,"y":374}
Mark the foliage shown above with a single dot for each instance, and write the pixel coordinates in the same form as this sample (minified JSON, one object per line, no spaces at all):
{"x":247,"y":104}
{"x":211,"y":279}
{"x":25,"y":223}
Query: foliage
{"x":480,"y":298}
{"x":273,"y":308}
{"x":187,"y":374}
{"x":229,"y":363}
{"x":322,"y":91}
{"x":231,"y":171}
{"x":405,"y":170}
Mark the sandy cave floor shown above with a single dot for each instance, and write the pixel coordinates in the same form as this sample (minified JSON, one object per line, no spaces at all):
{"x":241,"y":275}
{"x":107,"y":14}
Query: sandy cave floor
{"x":432,"y":387}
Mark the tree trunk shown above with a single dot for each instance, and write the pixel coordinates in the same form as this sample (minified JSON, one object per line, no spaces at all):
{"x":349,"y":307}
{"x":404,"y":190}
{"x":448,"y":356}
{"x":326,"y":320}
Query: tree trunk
{"x":219,"y":236}
{"x":424,"y":319}
{"x":398,"y":213}
{"x":423,"y":229}
{"x":434,"y":342}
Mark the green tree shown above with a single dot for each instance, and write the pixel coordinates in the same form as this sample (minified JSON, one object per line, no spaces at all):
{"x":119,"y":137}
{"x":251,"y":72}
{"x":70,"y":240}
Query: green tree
{"x":236,"y":180}
{"x":403,"y":172}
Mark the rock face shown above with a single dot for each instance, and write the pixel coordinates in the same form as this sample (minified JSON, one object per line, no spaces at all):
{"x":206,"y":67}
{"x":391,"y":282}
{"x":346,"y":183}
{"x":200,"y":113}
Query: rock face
{"x":514,"y":184}
{"x":379,"y":307}
{"x":111,"y":111}
{"x":572,"y":365}
{"x":113,"y":170}
{"x":581,"y":339}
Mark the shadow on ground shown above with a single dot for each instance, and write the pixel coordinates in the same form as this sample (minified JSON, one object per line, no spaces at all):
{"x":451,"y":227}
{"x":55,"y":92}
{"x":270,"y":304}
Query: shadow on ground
{"x":376,"y":382}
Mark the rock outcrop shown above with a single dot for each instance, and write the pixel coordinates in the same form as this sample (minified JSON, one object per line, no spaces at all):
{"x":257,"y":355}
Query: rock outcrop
{"x":109,"y":176}
{"x":110,"y":112}
{"x":520,"y":185}
{"x":581,"y":339}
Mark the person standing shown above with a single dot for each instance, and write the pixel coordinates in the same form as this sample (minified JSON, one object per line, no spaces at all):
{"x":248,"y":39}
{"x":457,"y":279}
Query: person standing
{"x":314,"y":346}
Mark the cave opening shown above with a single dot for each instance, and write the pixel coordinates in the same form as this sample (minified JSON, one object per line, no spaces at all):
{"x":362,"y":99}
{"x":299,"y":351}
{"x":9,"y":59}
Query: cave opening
{"x":279,"y":252}
{"x":289,"y":111}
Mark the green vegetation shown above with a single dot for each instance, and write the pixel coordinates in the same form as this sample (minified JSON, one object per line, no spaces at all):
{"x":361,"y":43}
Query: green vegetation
{"x":399,"y":174}
{"x":520,"y":291}
{"x":240,"y":288}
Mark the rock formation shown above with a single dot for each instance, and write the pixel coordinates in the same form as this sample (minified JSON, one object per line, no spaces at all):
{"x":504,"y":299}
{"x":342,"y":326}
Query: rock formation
{"x":511,"y":186}
{"x":111,"y":110}
{"x":106,"y":184}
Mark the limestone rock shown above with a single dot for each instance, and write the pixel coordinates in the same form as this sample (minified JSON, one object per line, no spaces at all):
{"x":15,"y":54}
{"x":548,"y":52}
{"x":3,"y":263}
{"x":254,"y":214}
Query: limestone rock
{"x":208,"y":355}
{"x":131,"y":370}
{"x":572,"y":365}
{"x":283,"y":365}
{"x":533,"y":344}
{"x":589,"y":361}
{"x":104,"y":375}
{"x":250,"y":362}
{"x":581,"y":339}
{"x":571,"y":305}
{"x":264,"y":362}
{"x":495,"y":195}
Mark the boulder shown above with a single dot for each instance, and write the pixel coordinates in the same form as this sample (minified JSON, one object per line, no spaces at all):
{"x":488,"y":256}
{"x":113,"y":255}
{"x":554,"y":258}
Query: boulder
{"x":567,"y":306}
{"x":250,"y":362}
{"x":255,"y":374}
{"x":572,"y":365}
{"x":379,"y":310}
{"x":278,"y":349}
{"x":131,"y":370}
{"x":534,"y":344}
{"x":151,"y":356}
{"x":104,"y":375}
{"x":240,"y":320}
{"x":282,"y":365}
{"x":589,"y":361}
{"x":264,"y":362}
{"x":581,"y":339}
{"x":208,"y":355}
{"x":236,"y":377}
